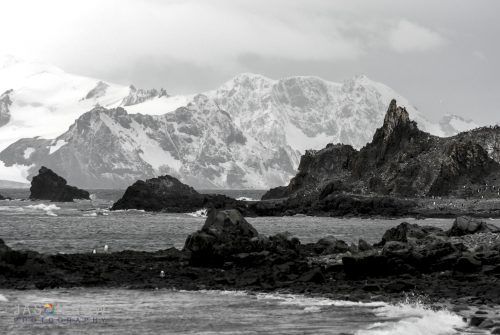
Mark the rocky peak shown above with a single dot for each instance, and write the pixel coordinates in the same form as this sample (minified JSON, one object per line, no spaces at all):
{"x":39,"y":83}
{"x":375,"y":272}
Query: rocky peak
{"x":137,"y":96}
{"x":98,"y":91}
{"x":396,"y":132}
{"x":396,"y":117}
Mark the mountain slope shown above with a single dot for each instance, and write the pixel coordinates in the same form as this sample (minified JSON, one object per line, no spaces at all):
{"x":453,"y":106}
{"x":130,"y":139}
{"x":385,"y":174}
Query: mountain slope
{"x":110,"y":148}
{"x":45,"y":100}
{"x":404,"y":161}
{"x":286,"y":116}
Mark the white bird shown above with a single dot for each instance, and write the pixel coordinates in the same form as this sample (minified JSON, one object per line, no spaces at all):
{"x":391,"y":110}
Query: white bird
{"x":106,"y":248}
{"x":94,"y":251}
{"x":162,"y":273}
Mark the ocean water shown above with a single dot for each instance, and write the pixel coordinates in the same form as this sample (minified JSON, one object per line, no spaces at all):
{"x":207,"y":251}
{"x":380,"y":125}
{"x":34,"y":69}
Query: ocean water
{"x":85,"y":225}
{"x":97,"y":311}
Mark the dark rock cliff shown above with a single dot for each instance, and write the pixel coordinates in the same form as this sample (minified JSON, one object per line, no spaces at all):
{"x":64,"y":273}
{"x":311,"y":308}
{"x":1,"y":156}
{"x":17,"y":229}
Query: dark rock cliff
{"x":401,"y":161}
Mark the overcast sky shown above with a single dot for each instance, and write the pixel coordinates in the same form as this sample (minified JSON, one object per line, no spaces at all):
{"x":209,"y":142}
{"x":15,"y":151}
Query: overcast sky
{"x":442,"y":55}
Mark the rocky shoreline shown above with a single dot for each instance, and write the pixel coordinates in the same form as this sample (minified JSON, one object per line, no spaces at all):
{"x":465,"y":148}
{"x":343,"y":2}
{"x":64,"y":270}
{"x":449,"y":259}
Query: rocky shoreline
{"x":460,"y":266}
{"x":168,"y":194}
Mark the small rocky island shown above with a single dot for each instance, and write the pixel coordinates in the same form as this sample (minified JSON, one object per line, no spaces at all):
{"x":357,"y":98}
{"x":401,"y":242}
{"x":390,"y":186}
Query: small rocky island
{"x":168,"y":194}
{"x":47,"y":185}
{"x":460,"y":266}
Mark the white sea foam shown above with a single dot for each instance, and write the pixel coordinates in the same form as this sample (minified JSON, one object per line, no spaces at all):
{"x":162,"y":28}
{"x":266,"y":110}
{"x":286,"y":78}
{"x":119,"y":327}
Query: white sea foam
{"x":246,"y":199}
{"x":413,"y":319}
{"x":129,"y":210}
{"x":49,"y":209}
{"x":11,"y":209}
{"x":201,"y":213}
{"x":3,"y":298}
{"x":308,"y":302}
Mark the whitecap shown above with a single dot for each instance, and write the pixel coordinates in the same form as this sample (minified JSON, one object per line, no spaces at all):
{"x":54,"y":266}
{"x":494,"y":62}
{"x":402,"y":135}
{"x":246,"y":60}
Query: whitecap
{"x":413,"y":319}
{"x":49,"y":209}
{"x":3,"y":298}
{"x":304,"y":301}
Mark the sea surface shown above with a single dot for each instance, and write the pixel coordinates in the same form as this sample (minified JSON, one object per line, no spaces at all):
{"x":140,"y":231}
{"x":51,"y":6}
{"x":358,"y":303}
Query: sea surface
{"x":86,"y":225}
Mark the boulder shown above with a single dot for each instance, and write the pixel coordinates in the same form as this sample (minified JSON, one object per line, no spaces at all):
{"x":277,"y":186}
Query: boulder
{"x":364,"y":246}
{"x":405,"y":231}
{"x":224,"y":234}
{"x":9,"y":256}
{"x":330,"y":245}
{"x":465,"y":225}
{"x":47,"y":185}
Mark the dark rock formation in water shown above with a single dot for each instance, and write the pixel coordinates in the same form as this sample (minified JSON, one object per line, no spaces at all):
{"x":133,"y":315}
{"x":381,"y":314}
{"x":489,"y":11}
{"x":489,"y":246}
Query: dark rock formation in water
{"x":401,"y":161}
{"x":167,"y":193}
{"x":47,"y":185}
{"x":162,"y":193}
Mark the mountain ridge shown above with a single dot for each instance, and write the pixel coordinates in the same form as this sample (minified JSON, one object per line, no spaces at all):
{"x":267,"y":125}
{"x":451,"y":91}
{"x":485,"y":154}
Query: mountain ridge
{"x":280,"y":119}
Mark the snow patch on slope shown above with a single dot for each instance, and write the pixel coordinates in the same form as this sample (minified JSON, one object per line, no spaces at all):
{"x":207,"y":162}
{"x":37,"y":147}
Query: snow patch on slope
{"x":300,"y":141}
{"x":56,"y":146}
{"x":17,"y":172}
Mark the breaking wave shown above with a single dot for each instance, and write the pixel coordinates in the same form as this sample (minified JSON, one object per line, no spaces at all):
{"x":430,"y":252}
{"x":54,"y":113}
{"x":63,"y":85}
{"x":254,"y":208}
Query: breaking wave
{"x":48,"y":209}
{"x":413,"y":319}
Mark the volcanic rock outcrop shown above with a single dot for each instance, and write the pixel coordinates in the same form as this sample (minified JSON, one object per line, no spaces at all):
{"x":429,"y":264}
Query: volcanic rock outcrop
{"x":47,"y":185}
{"x":401,"y":161}
{"x":465,"y":225}
{"x":168,"y":194}
{"x":224,"y":233}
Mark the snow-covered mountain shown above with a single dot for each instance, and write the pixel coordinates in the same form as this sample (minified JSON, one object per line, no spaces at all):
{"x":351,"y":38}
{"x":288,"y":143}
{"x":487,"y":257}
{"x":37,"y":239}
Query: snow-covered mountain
{"x":248,"y":133}
{"x":109,"y":148}
{"x":45,"y":100}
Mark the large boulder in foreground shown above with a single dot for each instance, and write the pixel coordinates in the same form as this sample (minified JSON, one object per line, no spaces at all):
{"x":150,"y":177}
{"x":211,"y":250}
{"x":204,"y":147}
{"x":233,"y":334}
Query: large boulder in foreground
{"x":225,"y":232}
{"x":47,"y":185}
{"x":465,"y":225}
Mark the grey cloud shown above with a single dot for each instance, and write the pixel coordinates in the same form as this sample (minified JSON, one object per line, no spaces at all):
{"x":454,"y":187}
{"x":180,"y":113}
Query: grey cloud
{"x":439,"y":54}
